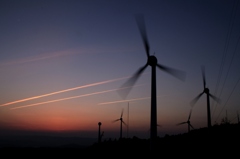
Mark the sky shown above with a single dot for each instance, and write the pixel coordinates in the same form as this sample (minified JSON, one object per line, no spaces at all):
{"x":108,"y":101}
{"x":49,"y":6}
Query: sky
{"x":62,"y":62}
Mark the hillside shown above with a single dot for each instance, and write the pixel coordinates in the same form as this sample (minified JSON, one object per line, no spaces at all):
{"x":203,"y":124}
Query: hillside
{"x":215,"y":140}
{"x":219,"y":138}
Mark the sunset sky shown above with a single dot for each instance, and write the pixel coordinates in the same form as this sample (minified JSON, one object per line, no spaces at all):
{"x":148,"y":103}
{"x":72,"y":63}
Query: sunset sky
{"x":62,"y":62}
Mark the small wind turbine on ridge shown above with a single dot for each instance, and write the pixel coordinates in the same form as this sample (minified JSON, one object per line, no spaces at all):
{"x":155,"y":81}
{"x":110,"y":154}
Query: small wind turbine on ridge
{"x":187,"y":122}
{"x":121,"y":122}
{"x":153,"y":62}
{"x":100,"y":135}
{"x":207,"y":92}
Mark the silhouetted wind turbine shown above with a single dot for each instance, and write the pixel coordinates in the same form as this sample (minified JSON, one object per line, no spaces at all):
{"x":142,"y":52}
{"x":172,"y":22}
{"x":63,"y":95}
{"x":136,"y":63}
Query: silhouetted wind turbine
{"x":207,"y":92}
{"x":151,"y":61}
{"x":121,"y":122}
{"x":187,"y":122}
{"x":100,"y":135}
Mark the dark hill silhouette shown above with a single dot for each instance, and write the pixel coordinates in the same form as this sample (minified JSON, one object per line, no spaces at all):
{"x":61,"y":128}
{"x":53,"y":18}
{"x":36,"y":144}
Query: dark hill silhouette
{"x":216,"y":140}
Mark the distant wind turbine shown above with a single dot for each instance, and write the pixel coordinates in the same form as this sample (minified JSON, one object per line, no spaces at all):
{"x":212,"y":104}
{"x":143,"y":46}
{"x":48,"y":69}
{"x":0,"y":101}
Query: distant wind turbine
{"x":153,"y":62}
{"x":187,"y":122}
{"x":121,"y":122}
{"x":207,"y":92}
{"x":100,"y":135}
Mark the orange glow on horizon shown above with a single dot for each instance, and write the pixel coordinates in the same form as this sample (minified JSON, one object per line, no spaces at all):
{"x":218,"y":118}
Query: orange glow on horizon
{"x":54,"y":120}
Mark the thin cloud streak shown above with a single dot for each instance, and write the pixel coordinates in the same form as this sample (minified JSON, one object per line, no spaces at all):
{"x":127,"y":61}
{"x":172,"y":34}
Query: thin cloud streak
{"x":38,"y":58}
{"x":62,"y":99}
{"x":121,"y":101}
{"x":62,"y":91}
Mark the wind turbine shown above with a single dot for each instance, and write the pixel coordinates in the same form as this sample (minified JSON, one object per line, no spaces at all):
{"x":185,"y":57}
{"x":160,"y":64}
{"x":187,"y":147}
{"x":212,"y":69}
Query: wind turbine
{"x":207,"y":92}
{"x":187,"y":122}
{"x":100,"y":135}
{"x":153,"y":62}
{"x":121,"y":122}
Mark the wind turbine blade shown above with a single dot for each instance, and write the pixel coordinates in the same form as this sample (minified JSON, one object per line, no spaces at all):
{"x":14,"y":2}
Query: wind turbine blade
{"x":130,"y":82}
{"x":142,"y":28}
{"x":176,"y":73}
{"x":115,"y":120}
{"x":190,"y":115}
{"x":196,"y":99}
{"x":121,"y":113}
{"x":215,"y":98}
{"x":124,"y":123}
{"x":203,"y":76}
{"x":181,"y":123}
{"x":159,"y":125}
{"x":191,"y":126}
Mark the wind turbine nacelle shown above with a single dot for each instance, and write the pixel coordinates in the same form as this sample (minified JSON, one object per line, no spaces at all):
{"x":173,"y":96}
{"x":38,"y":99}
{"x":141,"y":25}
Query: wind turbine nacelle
{"x":206,"y":90}
{"x":152,"y":60}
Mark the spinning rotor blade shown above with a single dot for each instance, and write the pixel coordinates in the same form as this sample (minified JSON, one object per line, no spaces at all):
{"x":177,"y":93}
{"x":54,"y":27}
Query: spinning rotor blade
{"x":142,"y":29}
{"x":203,"y":76}
{"x":215,"y":98}
{"x":181,"y":123}
{"x":115,"y":120}
{"x":190,"y":115}
{"x":124,"y":123}
{"x":191,"y":126}
{"x":176,"y":73}
{"x":121,"y":114}
{"x":129,"y":83}
{"x":196,"y":99}
{"x":159,"y":125}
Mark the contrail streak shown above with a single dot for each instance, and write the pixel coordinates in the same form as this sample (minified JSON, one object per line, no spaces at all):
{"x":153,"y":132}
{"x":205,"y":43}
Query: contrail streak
{"x":38,"y":58}
{"x":62,"y":91}
{"x":62,"y":99}
{"x":121,"y":101}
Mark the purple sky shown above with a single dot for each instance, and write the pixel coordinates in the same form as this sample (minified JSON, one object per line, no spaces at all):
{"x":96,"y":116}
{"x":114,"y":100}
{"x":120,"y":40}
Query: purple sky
{"x":54,"y":46}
